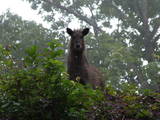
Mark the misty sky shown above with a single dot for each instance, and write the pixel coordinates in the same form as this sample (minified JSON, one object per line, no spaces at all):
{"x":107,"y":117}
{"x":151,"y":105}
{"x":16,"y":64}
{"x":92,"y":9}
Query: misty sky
{"x":22,"y":8}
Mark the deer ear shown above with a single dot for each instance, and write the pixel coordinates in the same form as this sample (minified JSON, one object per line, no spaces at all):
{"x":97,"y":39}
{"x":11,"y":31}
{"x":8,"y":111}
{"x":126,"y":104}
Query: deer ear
{"x":85,"y":31}
{"x":69,"y":31}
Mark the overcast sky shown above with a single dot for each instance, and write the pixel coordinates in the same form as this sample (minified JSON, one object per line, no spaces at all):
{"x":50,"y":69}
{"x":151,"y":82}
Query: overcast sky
{"x":22,"y":8}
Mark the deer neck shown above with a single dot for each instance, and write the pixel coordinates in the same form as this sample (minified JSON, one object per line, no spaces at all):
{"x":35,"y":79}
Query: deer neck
{"x":79,"y":58}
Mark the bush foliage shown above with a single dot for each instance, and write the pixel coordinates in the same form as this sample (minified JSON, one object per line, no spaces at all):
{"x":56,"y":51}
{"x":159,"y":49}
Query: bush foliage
{"x":37,"y":88}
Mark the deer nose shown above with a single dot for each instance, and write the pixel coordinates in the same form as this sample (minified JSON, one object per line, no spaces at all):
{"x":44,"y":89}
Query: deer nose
{"x":78,"y":46}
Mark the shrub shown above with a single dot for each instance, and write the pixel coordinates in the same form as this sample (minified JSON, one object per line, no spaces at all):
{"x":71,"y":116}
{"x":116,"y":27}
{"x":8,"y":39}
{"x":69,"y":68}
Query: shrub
{"x":37,"y":88}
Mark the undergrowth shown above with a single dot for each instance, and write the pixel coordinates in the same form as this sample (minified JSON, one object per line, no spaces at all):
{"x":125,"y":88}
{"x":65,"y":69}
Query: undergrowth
{"x":36,"y":87}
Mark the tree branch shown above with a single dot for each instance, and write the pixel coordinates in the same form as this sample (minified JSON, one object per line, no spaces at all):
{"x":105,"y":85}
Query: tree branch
{"x":120,"y":12}
{"x":94,"y":20}
{"x":156,"y":38}
{"x":142,"y":8}
{"x":155,"y":28}
{"x":69,"y":10}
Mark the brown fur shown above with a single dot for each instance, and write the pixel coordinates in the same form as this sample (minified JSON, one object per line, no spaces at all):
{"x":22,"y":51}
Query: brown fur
{"x":78,"y":67}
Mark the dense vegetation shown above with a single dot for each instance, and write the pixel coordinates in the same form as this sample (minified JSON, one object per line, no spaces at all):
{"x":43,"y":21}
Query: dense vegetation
{"x":37,"y":88}
{"x":34,"y":84}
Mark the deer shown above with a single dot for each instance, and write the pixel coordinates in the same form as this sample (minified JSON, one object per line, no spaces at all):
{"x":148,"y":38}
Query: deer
{"x":78,"y":67}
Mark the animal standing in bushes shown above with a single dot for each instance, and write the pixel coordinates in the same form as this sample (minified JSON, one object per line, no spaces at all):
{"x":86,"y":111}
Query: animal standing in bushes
{"x":78,"y":67}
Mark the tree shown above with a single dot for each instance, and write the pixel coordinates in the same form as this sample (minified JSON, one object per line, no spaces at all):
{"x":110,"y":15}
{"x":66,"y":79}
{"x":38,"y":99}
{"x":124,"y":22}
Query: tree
{"x":139,"y":23}
{"x":122,"y":53}
{"x":22,"y":33}
{"x":142,"y":17}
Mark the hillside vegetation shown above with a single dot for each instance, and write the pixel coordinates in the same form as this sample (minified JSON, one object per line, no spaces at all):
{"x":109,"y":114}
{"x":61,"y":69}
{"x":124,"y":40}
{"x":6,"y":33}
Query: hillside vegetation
{"x":37,"y":88}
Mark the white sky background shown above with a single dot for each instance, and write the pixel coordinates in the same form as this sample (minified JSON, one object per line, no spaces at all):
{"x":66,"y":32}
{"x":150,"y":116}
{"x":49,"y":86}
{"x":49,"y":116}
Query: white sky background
{"x":23,"y":9}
